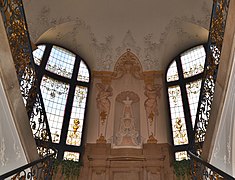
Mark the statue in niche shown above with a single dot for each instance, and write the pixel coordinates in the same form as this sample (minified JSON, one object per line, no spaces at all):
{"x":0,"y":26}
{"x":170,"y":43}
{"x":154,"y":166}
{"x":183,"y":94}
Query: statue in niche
{"x":127,"y":134}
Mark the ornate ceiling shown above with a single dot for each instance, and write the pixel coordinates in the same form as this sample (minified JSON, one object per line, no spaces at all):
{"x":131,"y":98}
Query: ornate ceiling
{"x":100,"y":31}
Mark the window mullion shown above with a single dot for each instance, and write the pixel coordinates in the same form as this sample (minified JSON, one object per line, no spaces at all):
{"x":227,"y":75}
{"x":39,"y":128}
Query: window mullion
{"x":68,"y":108}
{"x":185,"y":101}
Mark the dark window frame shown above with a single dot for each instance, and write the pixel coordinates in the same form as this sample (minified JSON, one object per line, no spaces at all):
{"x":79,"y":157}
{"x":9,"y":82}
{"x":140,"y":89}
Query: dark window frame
{"x":72,"y":82}
{"x":181,"y":82}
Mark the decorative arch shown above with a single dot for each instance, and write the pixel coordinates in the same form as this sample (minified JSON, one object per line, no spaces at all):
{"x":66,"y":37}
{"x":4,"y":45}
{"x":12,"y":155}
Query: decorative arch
{"x":128,"y":63}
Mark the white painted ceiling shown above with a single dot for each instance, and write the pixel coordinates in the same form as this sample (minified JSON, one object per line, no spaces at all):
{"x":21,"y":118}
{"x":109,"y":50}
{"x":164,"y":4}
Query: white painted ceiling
{"x":101,"y":30}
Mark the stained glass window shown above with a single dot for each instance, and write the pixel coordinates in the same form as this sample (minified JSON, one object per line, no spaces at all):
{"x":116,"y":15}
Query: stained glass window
{"x":71,"y":156}
{"x":64,"y":85}
{"x":193,"y":91}
{"x":61,"y":62}
{"x":181,"y":155}
{"x":38,"y":53}
{"x":183,"y":82}
{"x":172,"y":72}
{"x":76,"y":120}
{"x":54,"y":95}
{"x":193,"y":61}
{"x":83,"y":73}
{"x":177,"y":116}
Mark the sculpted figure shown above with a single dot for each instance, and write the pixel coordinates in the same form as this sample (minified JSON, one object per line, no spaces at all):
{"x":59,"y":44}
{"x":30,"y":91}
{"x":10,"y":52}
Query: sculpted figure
{"x":103,"y":103}
{"x":152,"y":92}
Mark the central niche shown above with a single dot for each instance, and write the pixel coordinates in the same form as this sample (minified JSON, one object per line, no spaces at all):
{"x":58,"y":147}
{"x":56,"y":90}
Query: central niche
{"x":127,"y":121}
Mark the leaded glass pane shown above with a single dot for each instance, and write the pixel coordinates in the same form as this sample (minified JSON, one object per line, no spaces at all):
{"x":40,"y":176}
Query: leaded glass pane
{"x":172,"y":72}
{"x":77,"y":117}
{"x":193,"y":61}
{"x":54,"y":95}
{"x":83,"y":73}
{"x":74,"y":156}
{"x":177,"y":116}
{"x":182,"y":155}
{"x":38,"y":53}
{"x":61,"y":62}
{"x":193,"y":91}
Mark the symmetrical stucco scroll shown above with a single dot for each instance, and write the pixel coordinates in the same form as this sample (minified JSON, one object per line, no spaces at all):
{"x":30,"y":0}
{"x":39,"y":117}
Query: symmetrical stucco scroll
{"x":128,"y":63}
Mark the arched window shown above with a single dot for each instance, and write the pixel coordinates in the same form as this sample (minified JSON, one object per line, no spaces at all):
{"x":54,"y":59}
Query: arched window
{"x":183,"y":83}
{"x":64,"y":81}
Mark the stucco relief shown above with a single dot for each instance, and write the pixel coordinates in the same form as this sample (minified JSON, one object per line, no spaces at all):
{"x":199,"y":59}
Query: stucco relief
{"x":152,"y":91}
{"x":128,"y":63}
{"x":103,"y":53}
{"x":128,"y":42}
{"x":45,"y":21}
{"x":127,"y":123}
{"x":151,"y":53}
{"x":103,"y":105}
{"x":17,"y":151}
{"x":3,"y":158}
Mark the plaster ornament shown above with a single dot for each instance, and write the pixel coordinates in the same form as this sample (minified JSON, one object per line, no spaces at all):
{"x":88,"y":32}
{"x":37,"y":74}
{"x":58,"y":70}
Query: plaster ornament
{"x":128,"y":42}
{"x":3,"y":159}
{"x":152,"y":91}
{"x":123,"y":95}
{"x":103,"y":53}
{"x":101,"y":139}
{"x":128,"y":63}
{"x":17,"y":151}
{"x":103,"y":104}
{"x":152,"y":139}
{"x":127,"y":134}
{"x":151,"y":53}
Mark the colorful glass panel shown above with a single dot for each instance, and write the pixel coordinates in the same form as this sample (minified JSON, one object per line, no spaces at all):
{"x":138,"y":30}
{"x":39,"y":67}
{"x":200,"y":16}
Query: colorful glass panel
{"x":193,"y":91}
{"x":193,"y":61}
{"x":172,"y":72}
{"x":83,"y":73}
{"x":74,"y":156}
{"x":38,"y":53}
{"x":181,"y":155}
{"x":61,"y":62}
{"x":77,"y":117}
{"x":54,"y":95}
{"x":177,"y":116}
